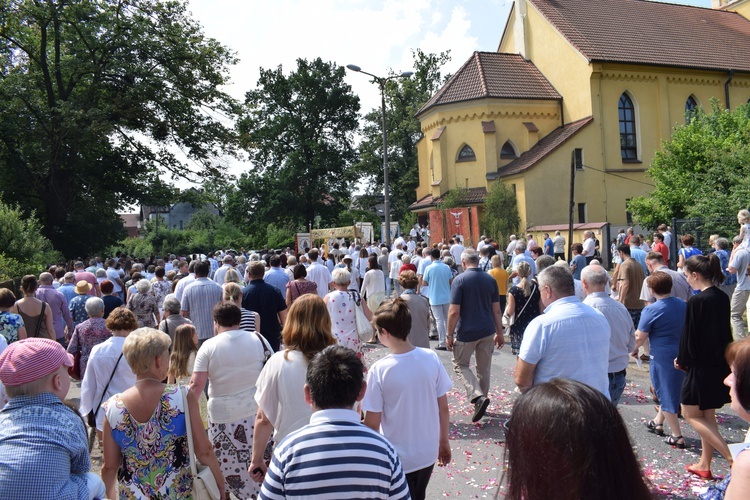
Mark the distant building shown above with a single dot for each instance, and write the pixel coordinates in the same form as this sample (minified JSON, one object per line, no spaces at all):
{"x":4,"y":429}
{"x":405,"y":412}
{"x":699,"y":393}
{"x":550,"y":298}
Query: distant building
{"x":176,"y":216}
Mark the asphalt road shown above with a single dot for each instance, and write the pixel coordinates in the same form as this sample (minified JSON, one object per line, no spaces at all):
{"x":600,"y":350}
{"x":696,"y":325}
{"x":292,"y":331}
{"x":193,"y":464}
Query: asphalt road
{"x":478,"y":448}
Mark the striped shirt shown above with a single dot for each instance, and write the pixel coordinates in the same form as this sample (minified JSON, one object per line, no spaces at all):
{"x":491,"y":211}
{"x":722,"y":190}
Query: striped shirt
{"x":335,"y":456}
{"x":199,"y":300}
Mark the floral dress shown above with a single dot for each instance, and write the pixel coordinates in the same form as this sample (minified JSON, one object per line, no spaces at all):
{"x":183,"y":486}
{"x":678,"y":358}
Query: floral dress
{"x":155,"y":460}
{"x":341,"y":306}
{"x":86,"y":335}
{"x":9,"y":325}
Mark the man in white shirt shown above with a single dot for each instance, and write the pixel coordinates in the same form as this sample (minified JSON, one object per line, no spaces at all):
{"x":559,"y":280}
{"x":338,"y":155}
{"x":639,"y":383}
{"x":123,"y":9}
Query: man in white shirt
{"x":511,"y":246}
{"x":179,"y":289}
{"x":319,"y":274}
{"x":220,"y":273}
{"x":456,"y":250}
{"x":622,"y":339}
{"x":520,"y":250}
{"x":570,"y":340}
{"x":589,"y":246}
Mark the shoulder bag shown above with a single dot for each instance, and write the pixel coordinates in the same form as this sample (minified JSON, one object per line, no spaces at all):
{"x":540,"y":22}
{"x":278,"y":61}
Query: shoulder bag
{"x":364,"y":328}
{"x":204,"y":482}
{"x":508,"y":321}
{"x":267,"y":349}
{"x":91,"y":416}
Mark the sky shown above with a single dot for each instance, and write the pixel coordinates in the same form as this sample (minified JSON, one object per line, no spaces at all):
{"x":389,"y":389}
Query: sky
{"x":376,"y":35}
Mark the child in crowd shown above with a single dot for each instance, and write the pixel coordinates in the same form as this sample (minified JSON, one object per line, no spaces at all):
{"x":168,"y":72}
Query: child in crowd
{"x":743,"y":218}
{"x":406,"y":398}
{"x":11,"y":325}
{"x":41,"y":437}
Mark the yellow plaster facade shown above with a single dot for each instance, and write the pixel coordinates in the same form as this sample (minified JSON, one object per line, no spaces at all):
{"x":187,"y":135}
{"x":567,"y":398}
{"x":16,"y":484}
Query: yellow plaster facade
{"x":588,"y":89}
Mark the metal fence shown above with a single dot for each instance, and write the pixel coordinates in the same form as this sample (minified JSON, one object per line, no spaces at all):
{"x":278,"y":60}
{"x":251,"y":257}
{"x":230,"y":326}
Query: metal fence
{"x":702,"y":229}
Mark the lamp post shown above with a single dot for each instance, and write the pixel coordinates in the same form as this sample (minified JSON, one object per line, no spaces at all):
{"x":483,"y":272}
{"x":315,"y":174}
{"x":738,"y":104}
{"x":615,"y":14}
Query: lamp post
{"x":386,"y":187}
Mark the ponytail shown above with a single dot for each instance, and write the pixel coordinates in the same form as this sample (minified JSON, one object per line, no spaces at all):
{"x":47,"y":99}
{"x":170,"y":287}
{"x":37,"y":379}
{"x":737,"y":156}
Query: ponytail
{"x":709,"y":268}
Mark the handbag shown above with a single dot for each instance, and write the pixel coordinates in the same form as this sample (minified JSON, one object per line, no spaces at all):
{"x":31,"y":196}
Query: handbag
{"x":508,"y":321}
{"x":75,"y":370}
{"x":364,"y":328}
{"x":204,"y":482}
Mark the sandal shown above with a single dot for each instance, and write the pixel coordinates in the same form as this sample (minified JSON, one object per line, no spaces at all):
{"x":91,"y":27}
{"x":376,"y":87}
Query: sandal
{"x":655,"y":428}
{"x":676,"y":441}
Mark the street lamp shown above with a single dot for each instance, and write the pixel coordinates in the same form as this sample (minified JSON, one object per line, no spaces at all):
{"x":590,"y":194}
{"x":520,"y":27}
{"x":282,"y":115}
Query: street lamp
{"x":386,"y":188}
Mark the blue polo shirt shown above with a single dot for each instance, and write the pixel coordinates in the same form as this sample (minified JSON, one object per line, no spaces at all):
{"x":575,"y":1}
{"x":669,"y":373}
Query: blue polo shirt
{"x":439,"y":276}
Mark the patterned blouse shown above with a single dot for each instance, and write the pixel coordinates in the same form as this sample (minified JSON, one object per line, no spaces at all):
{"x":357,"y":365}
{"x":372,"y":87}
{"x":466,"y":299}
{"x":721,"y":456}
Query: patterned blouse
{"x":86,"y":335}
{"x":297,"y":288}
{"x":145,"y":309}
{"x":77,"y":308}
{"x":155,"y":460}
{"x":160,"y":289}
{"x":9,"y":325}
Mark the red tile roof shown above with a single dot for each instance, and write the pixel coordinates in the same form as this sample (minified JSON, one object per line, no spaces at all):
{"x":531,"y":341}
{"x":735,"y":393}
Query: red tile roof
{"x":474,"y":196}
{"x":541,"y":149}
{"x":492,"y":74}
{"x":647,"y":32}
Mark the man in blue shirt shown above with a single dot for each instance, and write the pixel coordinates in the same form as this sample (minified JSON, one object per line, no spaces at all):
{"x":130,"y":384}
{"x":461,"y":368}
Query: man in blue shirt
{"x":549,"y":246}
{"x":43,"y":448}
{"x":438,"y":276}
{"x":475,"y":317}
{"x":275,"y":275}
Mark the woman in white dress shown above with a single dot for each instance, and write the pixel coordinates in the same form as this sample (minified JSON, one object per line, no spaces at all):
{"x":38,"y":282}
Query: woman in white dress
{"x":373,"y":287}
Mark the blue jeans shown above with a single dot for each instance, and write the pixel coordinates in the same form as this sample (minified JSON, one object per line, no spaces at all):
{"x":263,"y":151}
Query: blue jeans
{"x":616,"y":386}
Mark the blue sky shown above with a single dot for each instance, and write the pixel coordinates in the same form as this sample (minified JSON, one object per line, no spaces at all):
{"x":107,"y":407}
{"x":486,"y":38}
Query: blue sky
{"x":374,"y":34}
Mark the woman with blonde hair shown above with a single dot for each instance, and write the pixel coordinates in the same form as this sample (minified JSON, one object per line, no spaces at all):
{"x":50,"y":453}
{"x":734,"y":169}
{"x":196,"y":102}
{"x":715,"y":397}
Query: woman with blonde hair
{"x":144,"y":429}
{"x":523,"y":302}
{"x":233,"y":293}
{"x":233,"y":276}
{"x":182,"y":360}
{"x":279,"y":393}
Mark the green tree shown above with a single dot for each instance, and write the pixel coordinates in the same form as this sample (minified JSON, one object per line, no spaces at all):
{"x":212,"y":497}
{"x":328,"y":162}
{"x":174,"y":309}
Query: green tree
{"x":404,"y":98}
{"x":701,"y":171}
{"x":500,"y":218}
{"x":23,"y":249}
{"x":100,"y":98}
{"x":299,"y":132}
{"x":456,"y":197}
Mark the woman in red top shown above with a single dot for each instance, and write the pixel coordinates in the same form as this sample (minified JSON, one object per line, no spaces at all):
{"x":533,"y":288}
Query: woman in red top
{"x":407,"y":265}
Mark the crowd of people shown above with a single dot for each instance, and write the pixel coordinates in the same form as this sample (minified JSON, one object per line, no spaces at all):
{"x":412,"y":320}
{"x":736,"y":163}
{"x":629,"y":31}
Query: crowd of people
{"x":255,"y":361}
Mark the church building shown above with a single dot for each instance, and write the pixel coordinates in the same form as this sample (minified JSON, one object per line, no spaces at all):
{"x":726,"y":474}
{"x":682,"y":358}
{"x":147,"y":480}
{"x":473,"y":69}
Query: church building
{"x":589,"y":86}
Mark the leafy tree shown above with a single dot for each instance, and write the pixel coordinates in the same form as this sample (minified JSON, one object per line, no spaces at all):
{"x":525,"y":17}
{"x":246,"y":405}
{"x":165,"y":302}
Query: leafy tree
{"x":500,"y":218}
{"x":454,"y":198}
{"x":701,"y":171}
{"x":404,"y":98}
{"x":23,"y":249}
{"x":299,"y":132}
{"x":100,"y":98}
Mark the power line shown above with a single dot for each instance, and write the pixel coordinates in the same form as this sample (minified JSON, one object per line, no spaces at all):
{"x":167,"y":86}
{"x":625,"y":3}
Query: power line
{"x":620,"y":176}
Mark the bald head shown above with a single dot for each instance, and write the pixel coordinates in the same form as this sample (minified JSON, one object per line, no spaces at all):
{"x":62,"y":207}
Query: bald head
{"x":46,"y":279}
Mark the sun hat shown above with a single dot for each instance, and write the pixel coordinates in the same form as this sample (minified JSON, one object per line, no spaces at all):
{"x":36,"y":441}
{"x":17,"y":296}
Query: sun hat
{"x":83,"y":287}
{"x":348,"y":257}
{"x":31,"y":359}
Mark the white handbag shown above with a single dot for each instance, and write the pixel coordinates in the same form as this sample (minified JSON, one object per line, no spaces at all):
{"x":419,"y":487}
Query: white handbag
{"x":204,"y":482}
{"x":364,"y":328}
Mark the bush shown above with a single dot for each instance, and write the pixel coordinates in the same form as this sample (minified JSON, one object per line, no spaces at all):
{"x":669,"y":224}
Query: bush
{"x":23,"y":248}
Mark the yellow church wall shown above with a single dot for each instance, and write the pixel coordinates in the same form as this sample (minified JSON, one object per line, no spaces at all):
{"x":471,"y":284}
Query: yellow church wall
{"x":742,"y":7}
{"x":565,"y":68}
{"x":659,"y":96}
{"x":463,"y":126}
{"x":424,"y":182}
